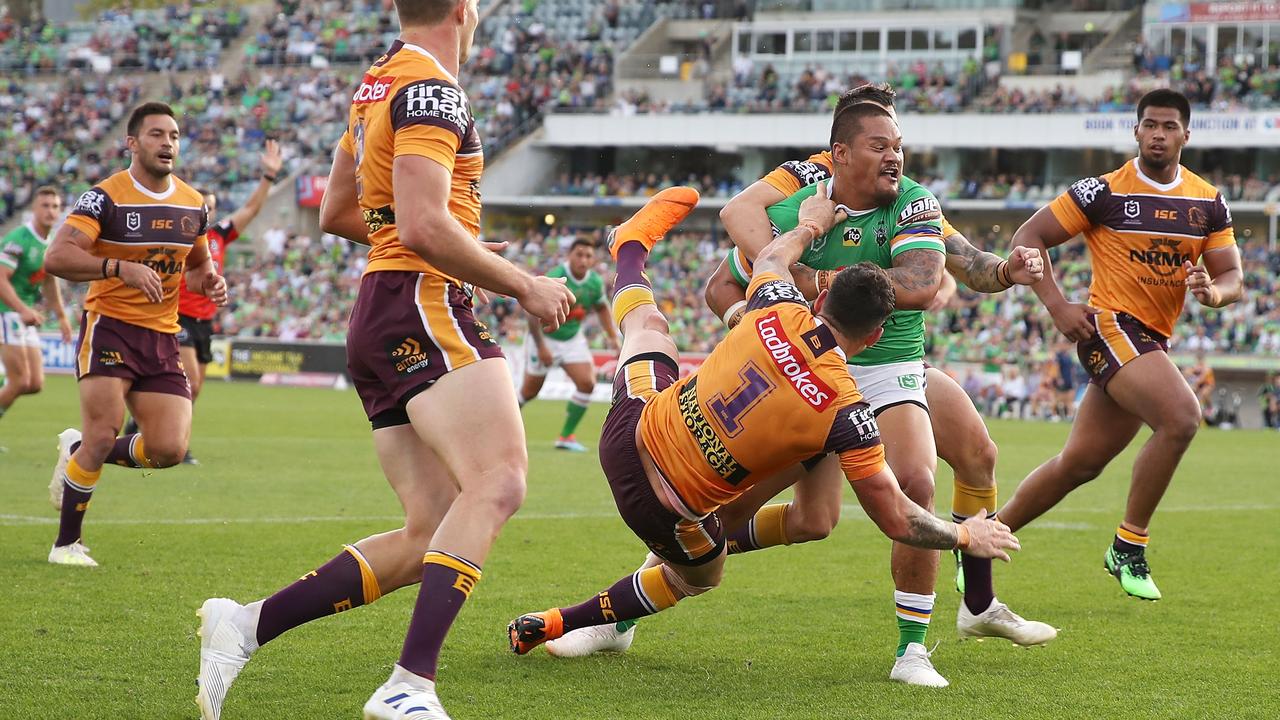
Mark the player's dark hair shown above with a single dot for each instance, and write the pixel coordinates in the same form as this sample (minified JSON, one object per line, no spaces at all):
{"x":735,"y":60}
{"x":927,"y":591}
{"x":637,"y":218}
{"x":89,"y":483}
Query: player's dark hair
{"x":859,"y":300}
{"x":582,"y":242}
{"x":144,"y":111}
{"x":46,"y":190}
{"x":424,"y":12}
{"x":881,"y":94}
{"x":1166,"y":98}
{"x":848,"y":124}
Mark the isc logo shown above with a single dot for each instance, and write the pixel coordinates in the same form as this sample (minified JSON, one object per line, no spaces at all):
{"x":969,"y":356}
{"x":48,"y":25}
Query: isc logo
{"x":1166,"y":214}
{"x":372,"y":89}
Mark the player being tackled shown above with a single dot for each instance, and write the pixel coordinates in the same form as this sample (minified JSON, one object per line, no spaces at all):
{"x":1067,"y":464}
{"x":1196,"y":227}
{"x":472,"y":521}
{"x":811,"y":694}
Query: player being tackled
{"x":675,"y":450}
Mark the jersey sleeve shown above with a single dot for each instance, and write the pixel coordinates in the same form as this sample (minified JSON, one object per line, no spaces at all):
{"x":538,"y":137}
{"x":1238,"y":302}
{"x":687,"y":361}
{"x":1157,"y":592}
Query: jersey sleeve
{"x":792,"y":175}
{"x":1082,"y":205}
{"x":11,"y":251}
{"x":856,"y":437}
{"x":1221,"y":233}
{"x":346,"y":143}
{"x":919,"y":223}
{"x":947,"y":228}
{"x":228,"y":230}
{"x":739,"y":267}
{"x":92,"y":211}
{"x":430,"y":118}
{"x":768,"y":289}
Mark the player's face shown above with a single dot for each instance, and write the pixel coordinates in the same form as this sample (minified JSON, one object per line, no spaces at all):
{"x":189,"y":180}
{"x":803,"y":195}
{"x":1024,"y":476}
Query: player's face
{"x":580,"y":260}
{"x":1161,"y":136}
{"x":469,"y":24}
{"x":45,"y":210}
{"x":156,"y":145}
{"x":211,"y":202}
{"x":873,"y":159}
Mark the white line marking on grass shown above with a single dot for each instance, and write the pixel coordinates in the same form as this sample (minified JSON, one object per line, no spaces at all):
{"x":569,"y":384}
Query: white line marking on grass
{"x":851,"y":511}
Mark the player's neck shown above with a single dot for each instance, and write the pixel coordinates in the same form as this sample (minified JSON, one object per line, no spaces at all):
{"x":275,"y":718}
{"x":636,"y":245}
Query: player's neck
{"x":41,"y":231}
{"x":846,"y":194}
{"x":157,"y":185}
{"x":1164,"y":176}
{"x":441,"y":41}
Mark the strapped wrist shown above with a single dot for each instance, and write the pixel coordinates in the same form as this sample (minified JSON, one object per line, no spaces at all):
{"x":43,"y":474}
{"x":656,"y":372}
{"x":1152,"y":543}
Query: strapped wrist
{"x":962,"y":537}
{"x":812,"y":227}
{"x":734,"y":314}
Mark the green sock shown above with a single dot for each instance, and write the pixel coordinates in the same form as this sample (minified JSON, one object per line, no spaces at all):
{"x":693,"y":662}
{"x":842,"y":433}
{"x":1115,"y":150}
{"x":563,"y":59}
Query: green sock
{"x":910,"y":632}
{"x":625,"y":625}
{"x":574,"y":411}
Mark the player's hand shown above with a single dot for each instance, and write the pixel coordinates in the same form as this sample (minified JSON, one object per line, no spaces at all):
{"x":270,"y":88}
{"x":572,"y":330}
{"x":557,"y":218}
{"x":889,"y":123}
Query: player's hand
{"x":1025,"y":266}
{"x":544,"y":356}
{"x":820,"y":209}
{"x":214,"y":287}
{"x":548,"y":300}
{"x":271,"y":159}
{"x":64,"y":326}
{"x":31,"y":316}
{"x":1075,"y":320}
{"x":989,"y":538}
{"x":1201,"y":285}
{"x":137,"y":275}
{"x":495,"y":247}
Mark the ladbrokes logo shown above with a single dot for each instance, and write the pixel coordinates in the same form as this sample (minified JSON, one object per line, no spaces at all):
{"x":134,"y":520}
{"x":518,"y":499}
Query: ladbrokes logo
{"x":409,"y":357}
{"x":372,"y":89}
{"x":1162,"y":257}
{"x":787,"y":358}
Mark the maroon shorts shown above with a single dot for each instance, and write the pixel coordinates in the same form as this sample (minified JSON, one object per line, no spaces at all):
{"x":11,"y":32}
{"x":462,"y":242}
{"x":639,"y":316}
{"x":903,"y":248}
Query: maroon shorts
{"x":147,"y":358}
{"x":407,"y":330}
{"x":1119,"y":338}
{"x":670,"y":536}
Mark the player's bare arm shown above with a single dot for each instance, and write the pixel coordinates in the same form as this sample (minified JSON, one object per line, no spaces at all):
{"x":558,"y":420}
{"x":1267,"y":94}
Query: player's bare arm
{"x":1041,"y":232}
{"x":746,"y":220}
{"x":270,"y":162}
{"x":52,"y":294}
{"x":987,"y":272}
{"x":916,"y":276}
{"x":946,"y":291}
{"x":9,"y":296}
{"x":605,"y":316}
{"x":203,"y":276}
{"x":70,"y":257}
{"x":426,"y":227}
{"x":1218,"y":280}
{"x":903,"y":520}
{"x":535,"y":331}
{"x":340,"y":212}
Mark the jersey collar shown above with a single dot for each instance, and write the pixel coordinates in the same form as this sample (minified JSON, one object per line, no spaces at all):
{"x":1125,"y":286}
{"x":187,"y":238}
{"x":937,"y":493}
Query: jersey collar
{"x":569,"y":272}
{"x":1177,"y":179}
{"x":424,"y":51}
{"x":31,"y":226}
{"x":850,"y":212}
{"x":154,"y":196}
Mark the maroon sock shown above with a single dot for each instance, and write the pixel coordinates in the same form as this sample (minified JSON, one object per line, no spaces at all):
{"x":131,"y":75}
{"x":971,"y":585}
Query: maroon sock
{"x":631,"y":259}
{"x":979,"y":590}
{"x":447,"y":582}
{"x":122,"y":451}
{"x":739,"y":541}
{"x":336,"y":586}
{"x":75,"y":502}
{"x":644,"y":592}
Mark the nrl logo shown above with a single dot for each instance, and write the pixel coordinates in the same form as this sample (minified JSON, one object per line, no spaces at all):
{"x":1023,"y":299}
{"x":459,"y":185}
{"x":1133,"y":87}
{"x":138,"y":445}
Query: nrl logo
{"x":1132,"y":209}
{"x":133,"y":221}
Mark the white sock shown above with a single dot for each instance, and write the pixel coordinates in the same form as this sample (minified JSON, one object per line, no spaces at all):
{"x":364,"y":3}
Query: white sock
{"x":247,"y":620}
{"x":399,"y":674}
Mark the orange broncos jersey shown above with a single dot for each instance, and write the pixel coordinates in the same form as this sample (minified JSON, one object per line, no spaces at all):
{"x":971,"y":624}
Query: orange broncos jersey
{"x":409,"y":104}
{"x":792,"y":175}
{"x":1139,"y":233}
{"x":776,"y":391}
{"x":128,"y":222}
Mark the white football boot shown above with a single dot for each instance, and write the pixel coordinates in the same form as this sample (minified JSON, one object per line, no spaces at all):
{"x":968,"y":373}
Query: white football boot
{"x":405,"y":697}
{"x":66,"y":439}
{"x":1000,"y":622}
{"x":224,"y":651}
{"x":591,"y":640}
{"x":75,"y":555}
{"x":914,"y":668}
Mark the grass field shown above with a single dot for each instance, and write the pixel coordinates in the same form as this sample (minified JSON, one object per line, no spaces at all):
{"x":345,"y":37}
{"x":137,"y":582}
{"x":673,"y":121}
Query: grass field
{"x":288,"y":475}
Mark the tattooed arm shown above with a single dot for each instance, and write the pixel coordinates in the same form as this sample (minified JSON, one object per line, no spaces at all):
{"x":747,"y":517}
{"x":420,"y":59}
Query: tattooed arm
{"x":989,"y":273}
{"x":916,"y":276}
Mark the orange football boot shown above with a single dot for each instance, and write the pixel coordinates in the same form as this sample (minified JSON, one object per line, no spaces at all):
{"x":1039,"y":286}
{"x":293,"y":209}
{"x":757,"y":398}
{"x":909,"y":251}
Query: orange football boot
{"x":652,"y":222}
{"x":529,"y":631}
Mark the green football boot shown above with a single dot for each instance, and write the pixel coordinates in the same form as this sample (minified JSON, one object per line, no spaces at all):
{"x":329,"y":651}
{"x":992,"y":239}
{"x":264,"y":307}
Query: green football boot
{"x":1132,"y":572}
{"x":959,"y":572}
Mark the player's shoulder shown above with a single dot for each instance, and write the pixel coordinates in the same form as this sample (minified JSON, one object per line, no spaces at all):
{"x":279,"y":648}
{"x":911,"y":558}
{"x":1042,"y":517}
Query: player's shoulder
{"x":556,"y":271}
{"x":1196,"y":186}
{"x":184,"y":194}
{"x":915,"y":203}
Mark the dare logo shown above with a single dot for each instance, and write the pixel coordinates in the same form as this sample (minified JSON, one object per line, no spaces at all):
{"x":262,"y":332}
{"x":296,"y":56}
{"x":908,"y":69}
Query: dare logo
{"x":372,"y":89}
{"x":408,"y":357}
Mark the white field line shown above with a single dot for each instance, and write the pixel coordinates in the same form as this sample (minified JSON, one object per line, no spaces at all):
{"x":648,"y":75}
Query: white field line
{"x":852,"y":510}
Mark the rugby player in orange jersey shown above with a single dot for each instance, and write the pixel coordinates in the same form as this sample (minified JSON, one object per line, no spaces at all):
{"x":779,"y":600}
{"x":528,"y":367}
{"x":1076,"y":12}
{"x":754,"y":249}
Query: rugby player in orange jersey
{"x":132,"y":237}
{"x":674,"y":451}
{"x":406,"y":181}
{"x":1155,"y":231}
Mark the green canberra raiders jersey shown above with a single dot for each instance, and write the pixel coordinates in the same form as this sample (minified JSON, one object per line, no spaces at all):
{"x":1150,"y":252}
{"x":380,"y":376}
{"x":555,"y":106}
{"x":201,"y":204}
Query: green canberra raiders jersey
{"x":588,"y":294}
{"x":22,"y":251}
{"x":913,"y":222}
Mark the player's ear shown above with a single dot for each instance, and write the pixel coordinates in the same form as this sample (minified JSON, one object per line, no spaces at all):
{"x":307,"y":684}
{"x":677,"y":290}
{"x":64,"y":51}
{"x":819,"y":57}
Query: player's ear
{"x":874,"y":336}
{"x":819,"y":301}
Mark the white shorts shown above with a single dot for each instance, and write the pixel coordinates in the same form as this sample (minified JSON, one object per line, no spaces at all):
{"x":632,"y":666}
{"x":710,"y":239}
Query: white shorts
{"x":14,"y":332}
{"x":883,"y":386}
{"x":563,"y":352}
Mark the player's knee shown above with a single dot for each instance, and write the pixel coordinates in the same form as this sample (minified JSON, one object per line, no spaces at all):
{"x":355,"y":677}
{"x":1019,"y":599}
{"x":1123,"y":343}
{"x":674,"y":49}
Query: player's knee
{"x":503,"y":490}
{"x":980,"y":462}
{"x":917,"y":484}
{"x":699,"y":582}
{"x":32,"y":385}
{"x":810,"y":525}
{"x":1180,"y":427}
